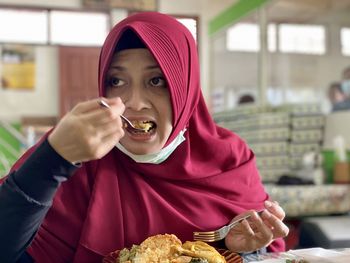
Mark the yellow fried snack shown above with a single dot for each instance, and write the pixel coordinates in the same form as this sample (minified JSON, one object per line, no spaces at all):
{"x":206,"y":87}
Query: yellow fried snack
{"x":153,"y":250}
{"x":199,"y":249}
{"x":168,"y":248}
{"x":144,"y":125}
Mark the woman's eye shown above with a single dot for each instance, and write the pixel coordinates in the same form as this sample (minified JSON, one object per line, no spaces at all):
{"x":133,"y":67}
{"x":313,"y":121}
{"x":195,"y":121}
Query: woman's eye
{"x":115,"y":82}
{"x":158,"y":82}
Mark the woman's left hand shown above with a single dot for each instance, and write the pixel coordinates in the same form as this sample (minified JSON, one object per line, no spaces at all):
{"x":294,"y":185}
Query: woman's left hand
{"x":257,"y":231}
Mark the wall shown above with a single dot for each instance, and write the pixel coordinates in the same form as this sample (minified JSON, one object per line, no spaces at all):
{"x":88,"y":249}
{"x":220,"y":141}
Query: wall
{"x":239,"y":70}
{"x":43,"y":101}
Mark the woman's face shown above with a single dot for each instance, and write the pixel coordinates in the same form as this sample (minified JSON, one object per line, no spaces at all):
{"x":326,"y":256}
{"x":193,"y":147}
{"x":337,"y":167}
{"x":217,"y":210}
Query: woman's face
{"x":137,"y":79}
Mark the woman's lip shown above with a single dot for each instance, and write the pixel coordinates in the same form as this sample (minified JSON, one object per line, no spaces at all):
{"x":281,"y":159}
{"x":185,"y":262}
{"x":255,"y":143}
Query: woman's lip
{"x":147,"y":136}
{"x":140,"y":118}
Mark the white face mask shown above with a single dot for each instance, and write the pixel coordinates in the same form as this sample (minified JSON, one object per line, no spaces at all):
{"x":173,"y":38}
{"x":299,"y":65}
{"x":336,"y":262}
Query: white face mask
{"x":345,"y":86}
{"x":157,"y":157}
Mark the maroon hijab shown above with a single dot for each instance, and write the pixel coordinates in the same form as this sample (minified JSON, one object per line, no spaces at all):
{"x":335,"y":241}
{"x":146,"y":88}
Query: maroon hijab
{"x":115,"y":202}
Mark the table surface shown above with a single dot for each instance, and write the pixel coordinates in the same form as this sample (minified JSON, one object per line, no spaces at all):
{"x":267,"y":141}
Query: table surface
{"x":312,"y":255}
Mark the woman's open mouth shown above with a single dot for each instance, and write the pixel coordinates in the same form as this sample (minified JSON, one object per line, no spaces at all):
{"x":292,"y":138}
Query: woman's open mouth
{"x":144,"y":126}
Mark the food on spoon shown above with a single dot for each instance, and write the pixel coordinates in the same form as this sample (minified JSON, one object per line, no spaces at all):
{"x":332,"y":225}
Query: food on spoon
{"x":146,"y":126}
{"x":168,"y":248}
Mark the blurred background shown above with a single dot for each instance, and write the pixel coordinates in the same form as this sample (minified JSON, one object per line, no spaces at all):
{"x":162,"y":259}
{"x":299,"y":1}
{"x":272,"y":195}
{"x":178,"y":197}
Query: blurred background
{"x":276,"y":72}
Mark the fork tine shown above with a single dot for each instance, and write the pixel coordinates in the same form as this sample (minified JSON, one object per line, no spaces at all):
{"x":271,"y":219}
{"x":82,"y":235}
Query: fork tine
{"x":219,"y":234}
{"x":213,"y":235}
{"x":213,"y":232}
{"x":207,"y":239}
{"x":206,"y":234}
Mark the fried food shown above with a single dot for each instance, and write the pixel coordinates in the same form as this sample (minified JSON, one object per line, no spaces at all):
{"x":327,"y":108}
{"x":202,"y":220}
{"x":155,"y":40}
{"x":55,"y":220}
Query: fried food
{"x":199,"y":249}
{"x":168,"y":248}
{"x":143,"y":125}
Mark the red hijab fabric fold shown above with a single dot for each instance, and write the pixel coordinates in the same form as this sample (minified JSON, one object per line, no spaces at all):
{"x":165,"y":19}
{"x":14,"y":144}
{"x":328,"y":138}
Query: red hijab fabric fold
{"x":115,"y":202}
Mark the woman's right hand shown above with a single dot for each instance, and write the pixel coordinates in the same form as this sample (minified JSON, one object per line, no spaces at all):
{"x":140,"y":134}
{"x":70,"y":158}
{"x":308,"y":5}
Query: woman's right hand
{"x":89,"y":131}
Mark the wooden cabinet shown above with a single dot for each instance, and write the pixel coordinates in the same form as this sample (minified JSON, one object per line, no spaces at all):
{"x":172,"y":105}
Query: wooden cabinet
{"x":78,"y":75}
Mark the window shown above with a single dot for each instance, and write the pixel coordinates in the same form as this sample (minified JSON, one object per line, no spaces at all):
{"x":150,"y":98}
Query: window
{"x":41,"y":26}
{"x":345,"y":41}
{"x":246,"y":37}
{"x":78,"y":28}
{"x":272,"y":37}
{"x":23,"y":26}
{"x":191,"y":25}
{"x":243,"y":37}
{"x":305,"y":39}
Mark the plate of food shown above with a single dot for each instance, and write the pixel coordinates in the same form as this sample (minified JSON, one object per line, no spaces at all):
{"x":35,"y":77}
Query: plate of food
{"x":167,"y":248}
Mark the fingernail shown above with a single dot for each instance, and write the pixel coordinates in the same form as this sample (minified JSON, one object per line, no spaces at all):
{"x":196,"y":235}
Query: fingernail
{"x":268,"y":203}
{"x":267,"y":214}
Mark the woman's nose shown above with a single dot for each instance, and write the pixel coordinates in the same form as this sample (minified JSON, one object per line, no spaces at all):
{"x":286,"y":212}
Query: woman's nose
{"x":136,"y":99}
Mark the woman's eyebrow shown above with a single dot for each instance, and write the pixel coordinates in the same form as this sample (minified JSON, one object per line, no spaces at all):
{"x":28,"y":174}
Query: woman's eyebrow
{"x":118,"y":67}
{"x":124,"y":68}
{"x":152,"y":67}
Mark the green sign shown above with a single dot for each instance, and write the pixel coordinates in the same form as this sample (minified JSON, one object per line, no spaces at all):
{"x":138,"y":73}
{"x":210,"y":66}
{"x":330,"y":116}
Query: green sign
{"x":233,"y":14}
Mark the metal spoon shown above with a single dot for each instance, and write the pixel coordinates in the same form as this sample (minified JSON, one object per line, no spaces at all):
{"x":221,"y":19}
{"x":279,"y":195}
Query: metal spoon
{"x":125,"y":119}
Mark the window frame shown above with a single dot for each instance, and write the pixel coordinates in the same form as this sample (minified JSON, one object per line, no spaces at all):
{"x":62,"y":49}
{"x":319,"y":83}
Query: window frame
{"x":196,"y":18}
{"x":325,"y":39}
{"x":347,"y":28}
{"x":49,"y":10}
{"x":277,"y":40}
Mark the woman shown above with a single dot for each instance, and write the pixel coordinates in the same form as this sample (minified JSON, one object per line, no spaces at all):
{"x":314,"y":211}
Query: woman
{"x":186,"y":174}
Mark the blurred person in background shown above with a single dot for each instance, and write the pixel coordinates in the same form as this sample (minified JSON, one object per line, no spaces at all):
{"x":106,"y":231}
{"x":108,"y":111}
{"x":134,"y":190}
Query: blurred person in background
{"x":338,"y":98}
{"x":345,"y":83}
{"x":246,"y":98}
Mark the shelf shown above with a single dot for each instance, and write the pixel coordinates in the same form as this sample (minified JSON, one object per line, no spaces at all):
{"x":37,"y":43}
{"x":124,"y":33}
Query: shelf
{"x":311,"y":200}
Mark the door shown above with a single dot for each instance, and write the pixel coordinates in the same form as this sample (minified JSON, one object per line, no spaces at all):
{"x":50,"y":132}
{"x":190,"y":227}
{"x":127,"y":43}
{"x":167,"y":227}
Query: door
{"x":78,"y":75}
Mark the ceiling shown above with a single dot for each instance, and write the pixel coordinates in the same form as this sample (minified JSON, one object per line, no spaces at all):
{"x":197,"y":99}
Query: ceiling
{"x":302,"y":11}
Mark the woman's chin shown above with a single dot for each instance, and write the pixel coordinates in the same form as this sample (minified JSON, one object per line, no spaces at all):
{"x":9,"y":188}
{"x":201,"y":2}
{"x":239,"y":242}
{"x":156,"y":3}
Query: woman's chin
{"x":141,"y":148}
{"x":141,"y":144}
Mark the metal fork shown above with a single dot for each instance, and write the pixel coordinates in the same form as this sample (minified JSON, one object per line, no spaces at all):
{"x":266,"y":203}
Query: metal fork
{"x":221,"y":233}
{"x":125,"y":119}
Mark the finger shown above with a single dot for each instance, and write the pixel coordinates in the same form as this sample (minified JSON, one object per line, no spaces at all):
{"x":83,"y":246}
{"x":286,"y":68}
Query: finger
{"x":274,"y":208}
{"x":105,"y":114}
{"x":93,"y":104}
{"x":246,"y":228}
{"x":113,"y":136}
{"x":86,"y":106}
{"x":245,"y":214}
{"x":278,"y":228}
{"x":109,"y":142}
{"x":101,"y":144}
{"x":102,"y":115}
{"x":266,"y":234}
{"x":111,"y":128}
{"x":115,"y":101}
